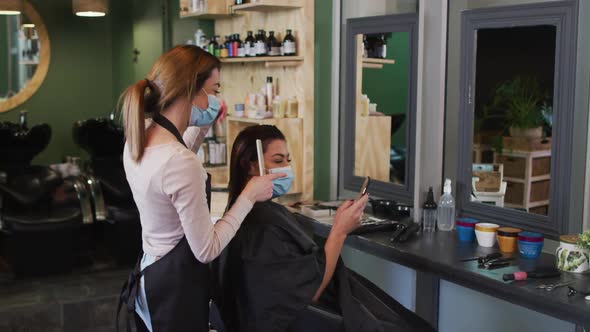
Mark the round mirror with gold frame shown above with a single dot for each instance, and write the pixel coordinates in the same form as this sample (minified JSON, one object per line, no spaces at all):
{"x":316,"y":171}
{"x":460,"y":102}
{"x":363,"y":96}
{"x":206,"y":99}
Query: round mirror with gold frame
{"x":26,"y":58}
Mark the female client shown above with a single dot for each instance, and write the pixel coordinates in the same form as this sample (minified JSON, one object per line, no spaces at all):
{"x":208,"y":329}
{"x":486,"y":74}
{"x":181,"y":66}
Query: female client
{"x":272,"y":271}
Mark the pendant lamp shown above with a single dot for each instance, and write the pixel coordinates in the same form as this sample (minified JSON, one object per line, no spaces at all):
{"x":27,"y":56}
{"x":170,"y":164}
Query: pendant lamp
{"x":25,"y":22}
{"x":90,"y":8}
{"x":11,"y":7}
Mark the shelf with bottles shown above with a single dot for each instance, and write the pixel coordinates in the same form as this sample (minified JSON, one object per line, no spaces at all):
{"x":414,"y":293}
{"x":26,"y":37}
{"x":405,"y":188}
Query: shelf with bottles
{"x":260,"y":48}
{"x":269,"y":61}
{"x":212,"y":9}
{"x":267,"y":5}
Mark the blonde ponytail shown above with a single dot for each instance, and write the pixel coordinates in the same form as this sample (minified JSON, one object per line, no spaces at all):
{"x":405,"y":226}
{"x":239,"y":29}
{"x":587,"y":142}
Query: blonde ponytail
{"x":178,"y":73}
{"x":133,"y":109}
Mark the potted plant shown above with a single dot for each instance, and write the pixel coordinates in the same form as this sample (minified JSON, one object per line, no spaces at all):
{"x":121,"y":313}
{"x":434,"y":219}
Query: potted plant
{"x":522,"y":99}
{"x":573,"y":253}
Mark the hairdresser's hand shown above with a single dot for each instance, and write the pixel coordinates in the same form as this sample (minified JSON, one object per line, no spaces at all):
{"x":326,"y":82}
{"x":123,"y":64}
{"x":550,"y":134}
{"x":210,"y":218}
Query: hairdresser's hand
{"x":259,"y":188}
{"x":348,"y":216}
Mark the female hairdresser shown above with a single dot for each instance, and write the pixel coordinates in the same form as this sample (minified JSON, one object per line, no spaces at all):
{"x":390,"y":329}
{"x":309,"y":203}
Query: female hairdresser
{"x":169,"y":289}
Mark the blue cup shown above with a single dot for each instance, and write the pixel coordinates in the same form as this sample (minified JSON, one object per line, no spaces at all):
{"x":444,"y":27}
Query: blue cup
{"x":466,"y":229}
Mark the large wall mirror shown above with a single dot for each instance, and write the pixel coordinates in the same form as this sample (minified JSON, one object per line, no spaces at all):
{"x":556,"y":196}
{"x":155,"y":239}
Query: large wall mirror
{"x":516,"y":119}
{"x":24,"y":45}
{"x":379,"y":112}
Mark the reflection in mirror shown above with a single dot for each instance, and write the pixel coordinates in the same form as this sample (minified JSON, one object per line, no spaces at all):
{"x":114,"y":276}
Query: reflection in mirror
{"x":382,"y":94}
{"x":514,"y":88}
{"x":20,"y":49}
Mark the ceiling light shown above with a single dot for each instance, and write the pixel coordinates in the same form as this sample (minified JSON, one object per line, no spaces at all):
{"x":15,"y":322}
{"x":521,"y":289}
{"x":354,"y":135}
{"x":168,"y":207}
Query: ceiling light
{"x":90,"y":8}
{"x":11,"y":7}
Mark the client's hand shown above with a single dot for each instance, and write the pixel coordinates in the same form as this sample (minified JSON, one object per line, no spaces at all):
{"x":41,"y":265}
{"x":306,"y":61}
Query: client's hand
{"x":348,"y":216}
{"x":259,"y":188}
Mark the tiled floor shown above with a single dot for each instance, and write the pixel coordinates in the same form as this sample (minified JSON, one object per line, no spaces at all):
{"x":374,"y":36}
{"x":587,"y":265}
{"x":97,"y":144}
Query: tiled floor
{"x":77,"y":302}
{"x":83,"y":301}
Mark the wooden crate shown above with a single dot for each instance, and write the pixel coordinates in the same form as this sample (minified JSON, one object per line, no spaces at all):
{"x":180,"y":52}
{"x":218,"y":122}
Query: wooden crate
{"x":528,"y":174}
{"x":514,"y":167}
{"x":482,"y":154}
{"x":541,"y":166}
{"x":542,"y":210}
{"x":539,"y":191}
{"x":525,"y":143}
{"x":514,"y":193}
{"x":489,"y":181}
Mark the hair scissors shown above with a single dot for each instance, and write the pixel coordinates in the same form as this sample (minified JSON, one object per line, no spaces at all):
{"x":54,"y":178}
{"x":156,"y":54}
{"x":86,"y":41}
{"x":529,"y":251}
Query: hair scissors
{"x":551,"y":287}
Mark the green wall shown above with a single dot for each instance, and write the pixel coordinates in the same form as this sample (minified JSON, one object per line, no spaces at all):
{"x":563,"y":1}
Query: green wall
{"x":92,"y":63}
{"x":81,"y":78}
{"x":388,"y":86}
{"x":322,"y":98}
{"x":182,"y":30}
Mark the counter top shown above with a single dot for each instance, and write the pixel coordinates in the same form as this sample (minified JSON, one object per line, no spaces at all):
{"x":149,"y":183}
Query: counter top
{"x":440,"y":253}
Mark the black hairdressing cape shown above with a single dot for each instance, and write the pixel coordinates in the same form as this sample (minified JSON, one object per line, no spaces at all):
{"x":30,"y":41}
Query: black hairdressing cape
{"x":270,"y":271}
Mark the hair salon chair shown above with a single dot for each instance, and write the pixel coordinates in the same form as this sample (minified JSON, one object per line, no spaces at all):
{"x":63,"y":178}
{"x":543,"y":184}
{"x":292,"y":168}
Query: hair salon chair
{"x":40,"y":213}
{"x":113,"y":203}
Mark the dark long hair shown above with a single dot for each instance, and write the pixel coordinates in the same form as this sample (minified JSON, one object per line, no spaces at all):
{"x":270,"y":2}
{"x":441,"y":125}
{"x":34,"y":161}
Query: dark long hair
{"x":243,"y":153}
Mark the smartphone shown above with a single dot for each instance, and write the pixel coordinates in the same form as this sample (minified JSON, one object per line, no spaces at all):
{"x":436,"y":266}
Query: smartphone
{"x":364,"y":187}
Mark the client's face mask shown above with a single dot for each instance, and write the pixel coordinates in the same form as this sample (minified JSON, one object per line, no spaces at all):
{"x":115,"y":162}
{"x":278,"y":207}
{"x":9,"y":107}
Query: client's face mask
{"x":201,"y":118}
{"x":281,"y":186}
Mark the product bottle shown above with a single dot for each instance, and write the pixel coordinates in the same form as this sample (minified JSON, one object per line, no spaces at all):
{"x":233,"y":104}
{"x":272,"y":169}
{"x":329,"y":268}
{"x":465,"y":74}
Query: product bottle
{"x":383,"y":47}
{"x":217,"y":51}
{"x":274,"y":46}
{"x":269,"y":92}
{"x":223,"y":52}
{"x":228,"y":46}
{"x":429,"y":212}
{"x":249,"y":48}
{"x":261,"y":43}
{"x":289,"y":44}
{"x":212,"y":45}
{"x":198,"y":36}
{"x":236,"y":45}
{"x":445,"y":220}
{"x":240,"y":50}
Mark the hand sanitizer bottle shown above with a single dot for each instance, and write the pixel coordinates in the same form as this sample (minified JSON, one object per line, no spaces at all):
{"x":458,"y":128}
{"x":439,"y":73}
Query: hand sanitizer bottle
{"x":445,"y":220}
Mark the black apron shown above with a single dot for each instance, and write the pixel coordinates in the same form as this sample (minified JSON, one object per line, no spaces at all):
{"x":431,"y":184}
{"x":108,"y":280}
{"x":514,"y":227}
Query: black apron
{"x":176,"y":285}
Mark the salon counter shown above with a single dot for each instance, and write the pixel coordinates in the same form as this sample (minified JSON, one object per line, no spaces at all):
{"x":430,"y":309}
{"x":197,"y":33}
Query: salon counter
{"x":439,"y":254}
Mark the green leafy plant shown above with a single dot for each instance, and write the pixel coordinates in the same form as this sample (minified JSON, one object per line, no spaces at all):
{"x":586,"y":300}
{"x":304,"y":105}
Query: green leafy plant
{"x":584,"y":240}
{"x":522,"y":99}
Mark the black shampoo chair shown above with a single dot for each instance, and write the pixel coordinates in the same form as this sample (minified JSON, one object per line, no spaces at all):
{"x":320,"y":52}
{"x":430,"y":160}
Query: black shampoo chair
{"x":104,"y":141}
{"x":40,"y":213}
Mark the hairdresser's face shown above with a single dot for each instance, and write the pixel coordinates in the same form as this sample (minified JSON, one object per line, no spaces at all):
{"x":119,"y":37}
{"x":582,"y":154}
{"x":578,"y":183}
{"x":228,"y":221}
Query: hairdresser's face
{"x":275,"y":156}
{"x":211,"y":87}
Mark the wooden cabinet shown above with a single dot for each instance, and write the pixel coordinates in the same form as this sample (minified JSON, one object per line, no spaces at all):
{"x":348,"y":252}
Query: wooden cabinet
{"x":528,"y":174}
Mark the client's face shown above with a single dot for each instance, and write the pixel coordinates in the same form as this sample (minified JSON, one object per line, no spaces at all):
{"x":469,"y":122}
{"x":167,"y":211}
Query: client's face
{"x":275,"y":156}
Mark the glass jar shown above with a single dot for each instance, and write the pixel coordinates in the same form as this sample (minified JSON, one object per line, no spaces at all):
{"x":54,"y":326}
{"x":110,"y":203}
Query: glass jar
{"x":278,"y":112}
{"x":292,"y":108}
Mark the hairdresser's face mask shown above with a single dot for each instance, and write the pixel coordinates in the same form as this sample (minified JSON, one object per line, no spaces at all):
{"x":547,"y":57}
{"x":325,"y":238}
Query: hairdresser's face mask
{"x":202,"y":118}
{"x":281,"y":186}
